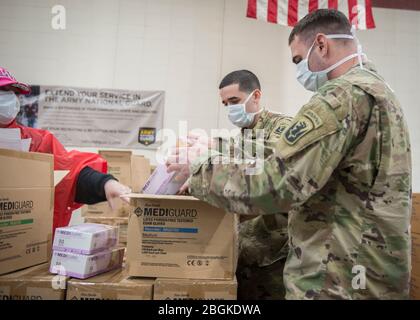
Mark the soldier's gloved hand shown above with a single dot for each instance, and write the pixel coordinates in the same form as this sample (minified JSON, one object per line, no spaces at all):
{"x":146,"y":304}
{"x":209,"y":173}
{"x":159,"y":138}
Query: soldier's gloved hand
{"x":184,"y":187}
{"x":114,"y":190}
{"x":181,"y":157}
{"x":195,"y":138}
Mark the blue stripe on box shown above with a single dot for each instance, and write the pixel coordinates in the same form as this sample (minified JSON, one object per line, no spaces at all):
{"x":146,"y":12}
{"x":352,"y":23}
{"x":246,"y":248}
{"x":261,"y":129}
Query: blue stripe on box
{"x":161,"y":229}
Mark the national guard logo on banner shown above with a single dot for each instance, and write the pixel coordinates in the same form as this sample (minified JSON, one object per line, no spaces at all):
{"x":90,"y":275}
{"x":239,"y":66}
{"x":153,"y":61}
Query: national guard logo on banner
{"x":147,"y":136}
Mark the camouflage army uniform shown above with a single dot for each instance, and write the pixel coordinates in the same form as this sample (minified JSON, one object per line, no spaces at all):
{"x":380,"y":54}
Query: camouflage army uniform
{"x":262,"y":240}
{"x":342,"y":171}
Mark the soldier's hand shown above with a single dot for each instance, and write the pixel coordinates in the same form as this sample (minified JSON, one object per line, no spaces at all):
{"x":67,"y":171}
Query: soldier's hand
{"x":186,"y":155}
{"x":195,"y":139}
{"x":184,"y":187}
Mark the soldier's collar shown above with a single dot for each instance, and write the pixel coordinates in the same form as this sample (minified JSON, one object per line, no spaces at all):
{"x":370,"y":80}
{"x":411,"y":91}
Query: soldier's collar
{"x":261,"y":120}
{"x":366,"y":64}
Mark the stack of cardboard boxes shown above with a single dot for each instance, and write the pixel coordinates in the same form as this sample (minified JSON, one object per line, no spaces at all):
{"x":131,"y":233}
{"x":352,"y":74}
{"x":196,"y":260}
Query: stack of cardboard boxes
{"x":178,"y":246}
{"x":415,"y":257}
{"x":26,"y":215}
{"x":131,"y":170}
{"x":190,"y":247}
{"x":26,"y":209}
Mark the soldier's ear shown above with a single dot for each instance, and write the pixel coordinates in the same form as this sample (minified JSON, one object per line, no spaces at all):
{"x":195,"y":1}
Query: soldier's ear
{"x":257,"y":95}
{"x":322,"y":44}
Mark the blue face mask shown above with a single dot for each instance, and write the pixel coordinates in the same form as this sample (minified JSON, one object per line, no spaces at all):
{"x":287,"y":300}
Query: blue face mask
{"x":311,"y":80}
{"x":238,"y":115}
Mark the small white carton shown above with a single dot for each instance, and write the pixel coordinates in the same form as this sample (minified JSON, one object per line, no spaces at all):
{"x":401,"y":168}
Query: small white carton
{"x":82,"y":266}
{"x":86,"y":238}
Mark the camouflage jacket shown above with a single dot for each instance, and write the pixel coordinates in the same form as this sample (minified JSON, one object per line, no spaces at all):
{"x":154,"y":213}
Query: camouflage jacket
{"x":263,"y":239}
{"x":271,"y":125}
{"x":342,"y":171}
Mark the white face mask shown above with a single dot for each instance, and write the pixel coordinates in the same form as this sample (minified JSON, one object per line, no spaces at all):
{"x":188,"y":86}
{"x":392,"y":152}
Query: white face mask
{"x":238,"y":115}
{"x":9,"y":107}
{"x":312,"y":81}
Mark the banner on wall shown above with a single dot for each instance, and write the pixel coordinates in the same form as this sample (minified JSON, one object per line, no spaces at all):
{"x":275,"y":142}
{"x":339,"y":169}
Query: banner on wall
{"x":85,"y":117}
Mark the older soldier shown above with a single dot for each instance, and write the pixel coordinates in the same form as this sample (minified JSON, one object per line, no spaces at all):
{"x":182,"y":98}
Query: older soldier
{"x":342,"y":170}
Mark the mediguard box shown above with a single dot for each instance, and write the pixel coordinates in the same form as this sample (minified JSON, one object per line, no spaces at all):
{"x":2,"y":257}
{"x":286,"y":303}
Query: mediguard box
{"x":131,"y":170}
{"x":113,"y":285}
{"x":190,"y":289}
{"x":180,"y":237}
{"x":34,"y":283}
{"x":26,"y":209}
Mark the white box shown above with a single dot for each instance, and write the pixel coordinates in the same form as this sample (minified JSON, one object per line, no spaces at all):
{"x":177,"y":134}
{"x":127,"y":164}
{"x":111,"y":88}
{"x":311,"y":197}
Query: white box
{"x":84,"y":266}
{"x":85,"y":238}
{"x":162,"y":182}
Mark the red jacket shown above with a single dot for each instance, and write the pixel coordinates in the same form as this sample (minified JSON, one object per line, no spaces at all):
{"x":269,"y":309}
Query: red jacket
{"x":44,"y":141}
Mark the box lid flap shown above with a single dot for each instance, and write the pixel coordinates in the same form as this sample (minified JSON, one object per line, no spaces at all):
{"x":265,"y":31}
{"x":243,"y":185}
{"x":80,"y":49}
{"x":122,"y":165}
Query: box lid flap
{"x":115,"y":155}
{"x":160,"y":197}
{"x":26,"y":169}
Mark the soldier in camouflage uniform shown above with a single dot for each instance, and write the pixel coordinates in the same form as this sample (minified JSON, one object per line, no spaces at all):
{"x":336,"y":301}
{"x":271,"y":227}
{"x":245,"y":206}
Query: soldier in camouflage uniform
{"x":255,"y":257}
{"x":342,"y":171}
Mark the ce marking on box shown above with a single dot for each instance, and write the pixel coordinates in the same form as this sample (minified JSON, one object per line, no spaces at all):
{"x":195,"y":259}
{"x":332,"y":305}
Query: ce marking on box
{"x":197,"y":263}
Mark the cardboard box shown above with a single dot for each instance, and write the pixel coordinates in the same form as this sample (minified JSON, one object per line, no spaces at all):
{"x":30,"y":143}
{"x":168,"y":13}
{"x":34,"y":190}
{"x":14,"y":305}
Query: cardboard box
{"x":180,"y":237}
{"x":188,"y":289}
{"x":34,"y":283}
{"x":84,"y":266}
{"x":415,"y":215}
{"x":131,"y":170}
{"x":415,"y":254}
{"x":120,"y":222}
{"x":113,"y":285}
{"x":26,"y":209}
{"x":85,"y":238}
{"x":415,"y":288}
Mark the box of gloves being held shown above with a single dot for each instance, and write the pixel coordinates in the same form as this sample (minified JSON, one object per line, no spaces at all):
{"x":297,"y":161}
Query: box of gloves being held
{"x":162,"y":182}
{"x":85,"y":250}
{"x":172,"y":236}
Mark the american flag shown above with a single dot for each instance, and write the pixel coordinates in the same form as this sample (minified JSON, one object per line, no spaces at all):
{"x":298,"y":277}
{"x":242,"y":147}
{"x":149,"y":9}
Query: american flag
{"x":289,"y":12}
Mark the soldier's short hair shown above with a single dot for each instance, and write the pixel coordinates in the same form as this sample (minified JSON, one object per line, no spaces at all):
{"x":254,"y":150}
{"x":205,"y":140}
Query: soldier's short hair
{"x":327,"y":21}
{"x":247,"y":81}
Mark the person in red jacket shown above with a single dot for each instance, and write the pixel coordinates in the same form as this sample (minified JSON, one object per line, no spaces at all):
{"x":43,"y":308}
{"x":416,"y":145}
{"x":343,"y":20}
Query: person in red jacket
{"x":86,"y":182}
